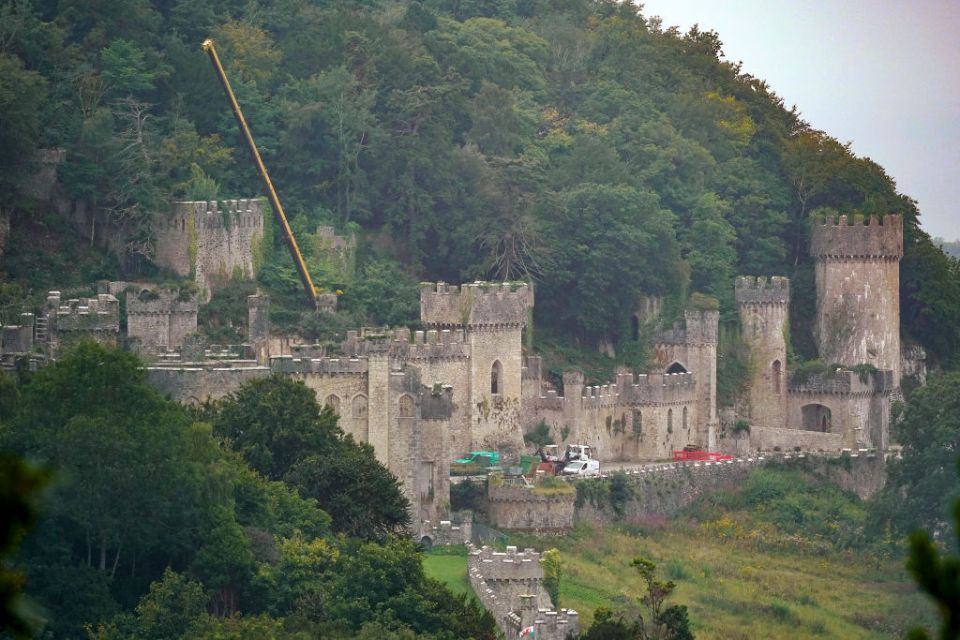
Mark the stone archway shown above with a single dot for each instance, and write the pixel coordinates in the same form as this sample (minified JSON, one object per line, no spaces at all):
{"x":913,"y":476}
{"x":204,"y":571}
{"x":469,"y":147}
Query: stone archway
{"x":816,"y":417}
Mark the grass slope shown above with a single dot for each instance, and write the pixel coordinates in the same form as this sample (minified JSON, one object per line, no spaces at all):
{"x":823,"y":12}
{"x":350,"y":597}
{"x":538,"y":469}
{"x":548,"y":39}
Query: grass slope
{"x":738,"y":591}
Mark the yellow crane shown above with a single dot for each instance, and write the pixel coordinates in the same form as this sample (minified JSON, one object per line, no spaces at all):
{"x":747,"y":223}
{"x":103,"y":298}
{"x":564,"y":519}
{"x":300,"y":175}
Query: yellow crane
{"x":291,"y":241}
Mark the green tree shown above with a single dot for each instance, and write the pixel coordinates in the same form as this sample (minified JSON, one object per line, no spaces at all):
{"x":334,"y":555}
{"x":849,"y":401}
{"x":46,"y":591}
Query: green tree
{"x":20,"y":485}
{"x":552,"y":575}
{"x":938,"y":575}
{"x":922,"y":484}
{"x":662,"y":622}
{"x":277,"y":426}
{"x":273,"y":423}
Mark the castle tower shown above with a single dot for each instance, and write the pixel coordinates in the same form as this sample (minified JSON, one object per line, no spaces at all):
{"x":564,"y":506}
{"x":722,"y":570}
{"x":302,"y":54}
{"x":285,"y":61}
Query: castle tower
{"x":701,"y":346}
{"x":858,"y":291}
{"x":763,"y":308}
{"x":258,"y":326}
{"x":211,"y":241}
{"x":493,"y":316}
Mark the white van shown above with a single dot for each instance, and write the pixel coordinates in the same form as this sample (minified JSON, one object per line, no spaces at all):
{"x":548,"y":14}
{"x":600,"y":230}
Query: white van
{"x":582,"y":468}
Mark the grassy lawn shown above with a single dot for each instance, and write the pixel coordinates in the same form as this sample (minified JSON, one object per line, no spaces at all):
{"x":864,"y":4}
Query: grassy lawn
{"x":735,"y":591}
{"x":448,"y":569}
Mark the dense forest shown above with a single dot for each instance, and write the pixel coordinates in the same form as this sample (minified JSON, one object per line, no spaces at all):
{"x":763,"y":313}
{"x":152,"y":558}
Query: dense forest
{"x":578,"y":143}
{"x":253,"y":517}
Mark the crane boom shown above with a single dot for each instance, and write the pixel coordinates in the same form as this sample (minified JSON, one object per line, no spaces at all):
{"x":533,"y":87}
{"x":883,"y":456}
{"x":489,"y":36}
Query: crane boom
{"x":262,"y":169}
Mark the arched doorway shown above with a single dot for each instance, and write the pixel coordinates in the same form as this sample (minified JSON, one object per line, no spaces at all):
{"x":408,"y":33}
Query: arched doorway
{"x":816,"y":417}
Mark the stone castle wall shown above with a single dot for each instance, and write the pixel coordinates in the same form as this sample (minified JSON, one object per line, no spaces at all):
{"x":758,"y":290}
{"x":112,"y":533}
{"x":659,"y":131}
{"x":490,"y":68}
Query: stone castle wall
{"x":213,"y":241}
{"x":858,"y":290}
{"x":516,"y":507}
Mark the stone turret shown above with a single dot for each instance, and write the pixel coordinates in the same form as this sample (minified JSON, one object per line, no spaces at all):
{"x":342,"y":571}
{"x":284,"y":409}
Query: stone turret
{"x":858,"y":290}
{"x":763,"y":306}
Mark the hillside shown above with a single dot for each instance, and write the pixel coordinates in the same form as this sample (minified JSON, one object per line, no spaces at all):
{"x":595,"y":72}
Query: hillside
{"x":578,"y":144}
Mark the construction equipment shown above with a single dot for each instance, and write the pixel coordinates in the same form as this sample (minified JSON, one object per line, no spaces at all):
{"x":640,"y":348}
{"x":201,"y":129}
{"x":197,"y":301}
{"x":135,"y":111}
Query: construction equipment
{"x":288,"y":237}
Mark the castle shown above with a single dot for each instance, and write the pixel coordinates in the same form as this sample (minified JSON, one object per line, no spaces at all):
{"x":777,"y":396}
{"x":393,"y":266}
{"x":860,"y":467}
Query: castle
{"x":423,"y":398}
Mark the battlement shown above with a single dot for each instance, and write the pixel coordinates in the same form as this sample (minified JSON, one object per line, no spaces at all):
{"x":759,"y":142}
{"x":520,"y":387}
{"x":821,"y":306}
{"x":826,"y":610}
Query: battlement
{"x":325,"y":366}
{"x":509,"y":565}
{"x":101,"y":313}
{"x":245,"y":212}
{"x":857,"y":236}
{"x":760,"y":290}
{"x":433,"y":344}
{"x":160,"y":302}
{"x":475,"y":305}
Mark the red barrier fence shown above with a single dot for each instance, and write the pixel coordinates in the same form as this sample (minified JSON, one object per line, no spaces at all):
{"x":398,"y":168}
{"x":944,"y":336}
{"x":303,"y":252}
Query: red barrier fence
{"x":700,"y":456}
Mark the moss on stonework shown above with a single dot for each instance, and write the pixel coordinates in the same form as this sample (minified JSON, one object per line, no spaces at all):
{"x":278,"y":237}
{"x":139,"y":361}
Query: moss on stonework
{"x":194,"y":244}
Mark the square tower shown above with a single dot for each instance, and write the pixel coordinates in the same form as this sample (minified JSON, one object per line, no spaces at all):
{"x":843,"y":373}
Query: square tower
{"x":492,"y":317}
{"x":858,"y":290}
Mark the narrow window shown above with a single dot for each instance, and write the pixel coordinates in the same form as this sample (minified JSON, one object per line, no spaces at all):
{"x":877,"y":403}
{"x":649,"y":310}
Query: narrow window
{"x":685,"y":418}
{"x":669,"y":420}
{"x":495,"y":374}
{"x":407,"y":407}
{"x":776,"y":376}
{"x":635,"y":328}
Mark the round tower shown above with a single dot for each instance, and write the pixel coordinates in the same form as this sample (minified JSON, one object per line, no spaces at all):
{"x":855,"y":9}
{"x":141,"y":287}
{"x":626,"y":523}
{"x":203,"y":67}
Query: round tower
{"x":763,"y":308}
{"x":858,"y":290}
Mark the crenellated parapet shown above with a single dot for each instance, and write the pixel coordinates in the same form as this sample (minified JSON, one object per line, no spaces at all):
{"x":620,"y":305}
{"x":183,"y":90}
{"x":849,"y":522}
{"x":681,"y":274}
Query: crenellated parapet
{"x":760,"y":290}
{"x":401,"y":344}
{"x":94,"y":315}
{"x":214,"y":214}
{"x":476,"y":305}
{"x":858,"y":237}
{"x":288,"y":365}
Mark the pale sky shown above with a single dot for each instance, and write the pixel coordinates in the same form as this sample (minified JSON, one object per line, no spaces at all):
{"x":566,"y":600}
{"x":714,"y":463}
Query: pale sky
{"x":882,"y":74}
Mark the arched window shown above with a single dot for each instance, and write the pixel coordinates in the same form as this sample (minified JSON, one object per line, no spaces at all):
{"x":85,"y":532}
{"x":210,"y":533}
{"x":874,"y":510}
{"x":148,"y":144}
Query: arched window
{"x":669,"y":420}
{"x":776,"y":376}
{"x":360,"y":406}
{"x":407,"y":407}
{"x":685,"y":426}
{"x":333,"y":401}
{"x":496,"y":375}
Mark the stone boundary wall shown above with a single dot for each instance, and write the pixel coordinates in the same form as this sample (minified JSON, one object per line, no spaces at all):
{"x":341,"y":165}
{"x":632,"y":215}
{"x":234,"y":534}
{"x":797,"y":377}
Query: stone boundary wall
{"x":518,"y":508}
{"x":663,"y":490}
{"x":771,"y":438}
{"x":510,"y":586}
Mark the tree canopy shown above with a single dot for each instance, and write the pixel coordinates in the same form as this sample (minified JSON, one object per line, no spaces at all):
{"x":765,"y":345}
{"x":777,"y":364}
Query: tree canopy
{"x":580,"y":144}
